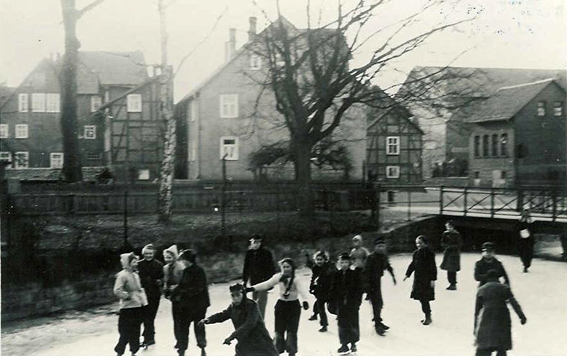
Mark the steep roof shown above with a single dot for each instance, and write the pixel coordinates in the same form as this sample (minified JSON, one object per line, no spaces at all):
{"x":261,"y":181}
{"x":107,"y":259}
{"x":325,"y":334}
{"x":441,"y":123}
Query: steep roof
{"x":508,"y":101}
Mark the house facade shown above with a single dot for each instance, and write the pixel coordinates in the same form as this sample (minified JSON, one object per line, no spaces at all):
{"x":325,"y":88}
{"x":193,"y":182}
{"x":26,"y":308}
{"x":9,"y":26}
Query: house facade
{"x":233,"y":115}
{"x":518,"y":137}
{"x":30,"y":132}
{"x":394,"y":146}
{"x":441,"y":100}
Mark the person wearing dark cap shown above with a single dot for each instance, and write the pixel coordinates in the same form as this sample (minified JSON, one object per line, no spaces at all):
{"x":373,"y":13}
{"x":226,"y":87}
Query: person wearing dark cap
{"x":451,"y":242}
{"x":320,"y":286}
{"x":492,"y":324}
{"x":376,"y":263}
{"x":346,"y":295}
{"x":526,"y":239}
{"x":489,"y":262}
{"x":250,"y":331}
{"x":423,"y":264}
{"x":259,"y":266}
{"x":193,"y":295}
{"x":151,"y":276}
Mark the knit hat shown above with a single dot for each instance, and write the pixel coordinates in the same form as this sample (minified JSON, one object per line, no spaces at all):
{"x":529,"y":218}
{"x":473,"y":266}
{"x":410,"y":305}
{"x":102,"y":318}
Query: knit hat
{"x":188,"y":255}
{"x":357,"y":237}
{"x":172,"y":250}
{"x":148,"y":247}
{"x":236,"y":288}
{"x":379,"y":240}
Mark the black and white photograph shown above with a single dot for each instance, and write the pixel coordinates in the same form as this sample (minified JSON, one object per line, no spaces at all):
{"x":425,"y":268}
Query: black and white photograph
{"x":283,"y":177}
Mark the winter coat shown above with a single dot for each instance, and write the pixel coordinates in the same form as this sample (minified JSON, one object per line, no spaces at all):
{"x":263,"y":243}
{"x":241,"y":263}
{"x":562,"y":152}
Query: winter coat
{"x":526,"y":224}
{"x":346,"y":289}
{"x":151,"y":276}
{"x":451,"y":242}
{"x":482,"y":267}
{"x":423,"y":264}
{"x":250,"y":330}
{"x":192,"y":290}
{"x":493,"y":328}
{"x":259,"y":266}
{"x":172,"y":276}
{"x":321,"y":280}
{"x":128,"y":287}
{"x":376,"y":264}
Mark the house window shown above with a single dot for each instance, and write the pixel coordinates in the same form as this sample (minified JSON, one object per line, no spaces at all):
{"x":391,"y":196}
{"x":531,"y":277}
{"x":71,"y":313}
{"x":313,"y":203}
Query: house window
{"x":504,"y":145}
{"x":228,"y":106}
{"x":255,"y":62}
{"x":4,"y":131}
{"x":56,"y":160}
{"x":53,"y":102}
{"x":21,"y":160}
{"x":23,"y":103}
{"x":477,"y":146}
{"x":393,"y":145}
{"x":477,"y":175}
{"x":90,"y":132}
{"x":541,"y":108}
{"x":6,"y":157}
{"x":134,"y":102}
{"x":392,"y":172}
{"x":22,"y":131}
{"x":558,"y":108}
{"x":38,"y":102}
{"x":485,"y":144}
{"x":494,"y":145}
{"x":96,"y":102}
{"x":229,"y":148}
{"x":144,"y":174}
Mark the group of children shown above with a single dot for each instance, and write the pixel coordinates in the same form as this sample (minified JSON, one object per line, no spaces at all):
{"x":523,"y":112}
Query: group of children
{"x":339,"y":291}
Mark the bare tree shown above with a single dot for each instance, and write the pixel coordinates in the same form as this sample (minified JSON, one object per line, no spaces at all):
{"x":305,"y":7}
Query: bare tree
{"x":310,"y":75}
{"x":72,"y":167}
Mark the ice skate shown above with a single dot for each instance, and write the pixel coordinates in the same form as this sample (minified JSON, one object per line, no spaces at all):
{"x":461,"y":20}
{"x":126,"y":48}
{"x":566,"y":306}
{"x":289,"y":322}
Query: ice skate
{"x":313,"y":317}
{"x":203,"y":352}
{"x":343,"y":350}
{"x":452,"y":286}
{"x":380,"y":330}
{"x":323,"y":329}
{"x":427,"y":320}
{"x":384,"y":326}
{"x":353,"y":348}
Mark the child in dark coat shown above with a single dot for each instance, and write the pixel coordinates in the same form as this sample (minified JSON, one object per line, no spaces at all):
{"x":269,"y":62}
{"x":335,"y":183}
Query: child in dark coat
{"x":346,"y":294}
{"x":423,"y":264}
{"x":320,"y":286}
{"x":451,"y":242}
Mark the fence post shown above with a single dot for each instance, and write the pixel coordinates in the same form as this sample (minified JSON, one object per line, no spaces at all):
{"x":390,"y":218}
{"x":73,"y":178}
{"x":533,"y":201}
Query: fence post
{"x":492,"y":202}
{"x":441,"y":200}
{"x":125,"y":218}
{"x":465,"y":201}
{"x":554,"y":207}
{"x":520,"y":200}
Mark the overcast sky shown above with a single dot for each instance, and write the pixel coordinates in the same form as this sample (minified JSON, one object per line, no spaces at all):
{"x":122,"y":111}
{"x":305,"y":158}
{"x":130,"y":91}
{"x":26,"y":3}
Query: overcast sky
{"x":506,"y":33}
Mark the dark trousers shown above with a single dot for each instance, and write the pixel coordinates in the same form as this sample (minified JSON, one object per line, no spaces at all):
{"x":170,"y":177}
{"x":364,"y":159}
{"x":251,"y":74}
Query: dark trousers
{"x":349,"y":331}
{"x":129,"y":325}
{"x":425,"y":307}
{"x":377,"y":303}
{"x":261,"y":297}
{"x":286,"y":324}
{"x":150,"y":312}
{"x":452,"y":277}
{"x":488,"y":352}
{"x":526,"y":252}
{"x":183,"y":316}
{"x":319,"y":309}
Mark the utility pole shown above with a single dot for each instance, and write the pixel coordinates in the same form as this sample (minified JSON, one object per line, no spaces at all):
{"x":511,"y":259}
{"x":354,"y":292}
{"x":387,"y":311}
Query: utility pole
{"x":166,"y":114}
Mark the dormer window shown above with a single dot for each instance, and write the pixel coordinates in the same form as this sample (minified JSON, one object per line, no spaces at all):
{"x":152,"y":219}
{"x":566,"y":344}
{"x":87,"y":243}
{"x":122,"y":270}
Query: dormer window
{"x":558,"y":108}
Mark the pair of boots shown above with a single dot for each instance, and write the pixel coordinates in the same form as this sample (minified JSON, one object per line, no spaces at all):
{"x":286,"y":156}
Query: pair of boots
{"x":381,"y":328}
{"x":182,"y":352}
{"x":427,"y":319}
{"x":344,"y":348}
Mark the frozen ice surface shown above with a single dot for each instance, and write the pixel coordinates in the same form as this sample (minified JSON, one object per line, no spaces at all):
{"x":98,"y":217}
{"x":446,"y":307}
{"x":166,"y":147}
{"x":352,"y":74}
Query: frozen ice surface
{"x":542,"y":293}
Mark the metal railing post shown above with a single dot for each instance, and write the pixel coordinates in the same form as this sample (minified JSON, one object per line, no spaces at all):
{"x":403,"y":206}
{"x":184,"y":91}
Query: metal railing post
{"x":554,"y":207}
{"x":492,"y":202}
{"x":465,"y":202}
{"x":441,"y":200}
{"x":409,"y":205}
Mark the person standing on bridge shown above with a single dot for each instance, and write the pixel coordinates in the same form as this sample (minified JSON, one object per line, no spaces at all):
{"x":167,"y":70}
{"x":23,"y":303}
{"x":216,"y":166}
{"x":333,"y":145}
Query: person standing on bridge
{"x":526,"y":239}
{"x":259,"y":266}
{"x":488,"y":262}
{"x":451,"y":242}
{"x":151,"y":276}
{"x":423,"y":264}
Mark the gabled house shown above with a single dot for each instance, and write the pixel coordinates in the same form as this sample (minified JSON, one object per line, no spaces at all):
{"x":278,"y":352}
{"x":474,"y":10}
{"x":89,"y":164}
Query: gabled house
{"x":518,"y":136}
{"x":442,"y":98}
{"x":30,"y":132}
{"x":233,"y":115}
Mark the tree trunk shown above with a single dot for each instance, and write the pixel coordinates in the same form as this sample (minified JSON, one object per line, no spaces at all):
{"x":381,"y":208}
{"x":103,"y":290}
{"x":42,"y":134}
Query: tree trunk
{"x":166,"y":111}
{"x":302,"y":153}
{"x":72,"y":170}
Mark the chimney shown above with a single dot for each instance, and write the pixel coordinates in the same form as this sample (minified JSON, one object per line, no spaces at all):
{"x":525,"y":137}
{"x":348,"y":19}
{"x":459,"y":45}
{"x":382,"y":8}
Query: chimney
{"x":252,"y":29}
{"x":230,"y":46}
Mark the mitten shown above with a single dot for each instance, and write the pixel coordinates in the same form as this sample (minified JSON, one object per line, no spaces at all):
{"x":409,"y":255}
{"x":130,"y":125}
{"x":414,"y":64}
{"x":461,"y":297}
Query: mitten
{"x":305,"y":305}
{"x":227,"y":341}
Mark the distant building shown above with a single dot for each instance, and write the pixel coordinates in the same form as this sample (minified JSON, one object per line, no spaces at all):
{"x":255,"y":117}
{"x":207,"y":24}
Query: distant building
{"x":223,"y":116}
{"x":441,"y":99}
{"x":394,"y":145}
{"x":123,"y":137}
{"x":518,"y":137}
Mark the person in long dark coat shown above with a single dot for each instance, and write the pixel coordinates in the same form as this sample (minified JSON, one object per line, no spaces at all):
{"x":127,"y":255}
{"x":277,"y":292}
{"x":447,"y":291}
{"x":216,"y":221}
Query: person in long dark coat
{"x":320,"y":286}
{"x":150,"y":271}
{"x":250,"y":330}
{"x":193,"y":295}
{"x":489,"y":262}
{"x":492,"y":324}
{"x":259,"y":266}
{"x":376,"y":263}
{"x":346,"y":294}
{"x":451,"y":242}
{"x":423,"y":264}
{"x":526,"y":239}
